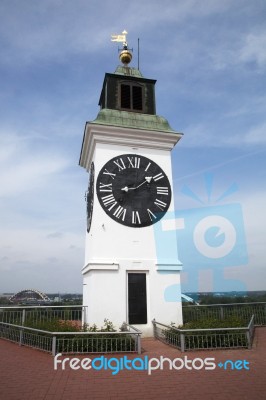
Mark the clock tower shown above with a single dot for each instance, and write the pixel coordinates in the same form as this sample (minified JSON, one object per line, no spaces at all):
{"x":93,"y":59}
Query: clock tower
{"x":127,"y":152}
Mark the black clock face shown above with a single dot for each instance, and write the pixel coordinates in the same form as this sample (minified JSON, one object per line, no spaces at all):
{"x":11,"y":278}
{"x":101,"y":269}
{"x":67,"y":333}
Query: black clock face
{"x":89,"y":197}
{"x":133,"y":190}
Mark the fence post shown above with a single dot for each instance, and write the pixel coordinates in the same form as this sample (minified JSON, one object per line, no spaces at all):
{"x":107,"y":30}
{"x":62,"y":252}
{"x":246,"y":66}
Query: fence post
{"x":139,"y":344}
{"x":250,"y":332}
{"x":23,"y":317}
{"x":154,"y":327}
{"x":221,"y":312}
{"x":248,"y":339}
{"x":84,"y":316}
{"x":20,"y":336}
{"x":54,"y":346}
{"x":21,"y":329}
{"x":182,"y":342}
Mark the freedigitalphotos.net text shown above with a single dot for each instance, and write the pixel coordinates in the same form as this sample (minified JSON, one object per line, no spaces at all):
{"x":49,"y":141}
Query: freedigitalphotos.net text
{"x":116,"y":365}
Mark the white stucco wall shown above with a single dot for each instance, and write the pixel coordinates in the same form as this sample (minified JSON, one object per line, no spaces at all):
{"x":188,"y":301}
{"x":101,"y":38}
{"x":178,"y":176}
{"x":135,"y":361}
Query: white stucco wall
{"x":113,"y":250}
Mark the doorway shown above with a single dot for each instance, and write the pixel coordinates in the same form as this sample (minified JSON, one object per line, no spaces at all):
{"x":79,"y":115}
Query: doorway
{"x":137,"y":298}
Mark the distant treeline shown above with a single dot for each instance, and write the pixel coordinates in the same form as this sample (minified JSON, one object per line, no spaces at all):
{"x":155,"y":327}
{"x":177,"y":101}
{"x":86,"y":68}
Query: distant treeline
{"x":231,"y":297}
{"x":64,"y":299}
{"x":202,"y":298}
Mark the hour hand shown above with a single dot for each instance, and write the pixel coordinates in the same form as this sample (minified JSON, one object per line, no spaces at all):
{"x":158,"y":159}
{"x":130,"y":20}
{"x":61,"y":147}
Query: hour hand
{"x":126,"y":188}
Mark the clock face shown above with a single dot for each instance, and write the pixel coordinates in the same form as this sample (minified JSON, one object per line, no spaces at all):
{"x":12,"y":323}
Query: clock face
{"x":89,"y":197}
{"x":133,"y":190}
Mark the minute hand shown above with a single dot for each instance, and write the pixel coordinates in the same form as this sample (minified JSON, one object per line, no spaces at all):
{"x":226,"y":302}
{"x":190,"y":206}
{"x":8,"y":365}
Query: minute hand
{"x":147,"y":180}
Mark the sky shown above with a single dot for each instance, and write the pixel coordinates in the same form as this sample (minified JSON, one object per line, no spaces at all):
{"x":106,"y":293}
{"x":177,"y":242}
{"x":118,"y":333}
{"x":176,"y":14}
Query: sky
{"x":209,"y":60}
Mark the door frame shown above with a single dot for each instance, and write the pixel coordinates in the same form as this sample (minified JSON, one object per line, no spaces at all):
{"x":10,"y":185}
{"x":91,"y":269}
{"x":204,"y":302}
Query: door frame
{"x":146,"y":272}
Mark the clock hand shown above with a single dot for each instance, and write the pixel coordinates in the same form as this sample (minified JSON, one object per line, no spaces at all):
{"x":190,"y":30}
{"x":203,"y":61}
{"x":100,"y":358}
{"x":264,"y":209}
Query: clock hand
{"x":147,"y":180}
{"x":126,"y":188}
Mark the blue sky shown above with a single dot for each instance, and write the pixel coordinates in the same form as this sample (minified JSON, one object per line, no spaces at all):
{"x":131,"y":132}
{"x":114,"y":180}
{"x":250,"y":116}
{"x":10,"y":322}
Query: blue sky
{"x":209,"y":60}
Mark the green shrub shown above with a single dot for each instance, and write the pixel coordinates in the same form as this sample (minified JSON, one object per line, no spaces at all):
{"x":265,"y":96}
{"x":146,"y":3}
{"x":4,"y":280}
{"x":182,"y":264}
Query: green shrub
{"x":52,"y":325}
{"x":209,"y":339}
{"x":94,"y":343}
{"x":205,"y":323}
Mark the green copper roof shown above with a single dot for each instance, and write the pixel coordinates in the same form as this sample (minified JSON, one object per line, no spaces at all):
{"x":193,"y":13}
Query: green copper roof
{"x":127,"y":119}
{"x":129,"y":71}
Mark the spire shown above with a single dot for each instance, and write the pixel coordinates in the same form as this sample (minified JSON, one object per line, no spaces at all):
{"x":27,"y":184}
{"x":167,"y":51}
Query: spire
{"x":125,"y":54}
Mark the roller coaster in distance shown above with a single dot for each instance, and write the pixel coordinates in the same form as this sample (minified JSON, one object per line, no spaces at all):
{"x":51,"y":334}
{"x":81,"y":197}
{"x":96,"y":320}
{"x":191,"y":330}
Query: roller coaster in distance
{"x":30,"y":297}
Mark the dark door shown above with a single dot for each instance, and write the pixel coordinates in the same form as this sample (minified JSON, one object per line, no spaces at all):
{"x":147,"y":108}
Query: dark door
{"x":137,"y":299}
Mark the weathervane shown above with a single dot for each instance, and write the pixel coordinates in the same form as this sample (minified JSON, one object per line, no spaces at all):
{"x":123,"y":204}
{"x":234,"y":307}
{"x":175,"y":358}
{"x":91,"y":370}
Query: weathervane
{"x":125,"y":55}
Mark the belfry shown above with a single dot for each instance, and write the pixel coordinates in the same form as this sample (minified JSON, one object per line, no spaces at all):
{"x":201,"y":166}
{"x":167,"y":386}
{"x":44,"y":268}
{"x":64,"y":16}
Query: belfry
{"x":127,"y":152}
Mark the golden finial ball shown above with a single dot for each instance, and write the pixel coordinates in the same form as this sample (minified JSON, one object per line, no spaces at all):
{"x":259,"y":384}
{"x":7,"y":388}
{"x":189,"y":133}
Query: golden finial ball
{"x":125,"y":56}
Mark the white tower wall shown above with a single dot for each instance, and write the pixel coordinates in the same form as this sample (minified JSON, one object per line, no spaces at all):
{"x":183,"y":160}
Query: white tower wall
{"x":114,"y":250}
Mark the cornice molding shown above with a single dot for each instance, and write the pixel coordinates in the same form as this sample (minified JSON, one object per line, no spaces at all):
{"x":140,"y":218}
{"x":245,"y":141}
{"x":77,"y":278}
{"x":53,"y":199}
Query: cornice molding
{"x":114,"y":135}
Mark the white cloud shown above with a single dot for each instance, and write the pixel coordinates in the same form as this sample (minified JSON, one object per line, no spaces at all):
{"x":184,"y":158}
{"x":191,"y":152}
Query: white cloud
{"x":39,"y":262}
{"x":253,"y":105}
{"x":208,"y":135}
{"x":255,"y":222}
{"x":55,"y":29}
{"x":253,"y":49}
{"x":22,"y":169}
{"x":256,"y":135}
{"x":55,"y":235}
{"x":238,"y":49}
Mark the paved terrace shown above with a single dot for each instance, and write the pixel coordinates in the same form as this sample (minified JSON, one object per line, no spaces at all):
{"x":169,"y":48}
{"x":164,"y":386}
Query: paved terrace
{"x":28,"y":374}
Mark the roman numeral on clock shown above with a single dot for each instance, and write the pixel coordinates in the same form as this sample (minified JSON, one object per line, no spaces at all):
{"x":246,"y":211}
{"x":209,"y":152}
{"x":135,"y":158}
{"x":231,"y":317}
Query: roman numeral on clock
{"x":151,"y":215}
{"x":164,"y":190}
{"x":120,"y":212}
{"x":105,"y":187}
{"x":106,"y":172}
{"x":158,"y":177}
{"x":135,"y":217}
{"x":160,"y":204}
{"x":120,"y":163}
{"x":148,"y":166}
{"x":109,"y":200}
{"x":134,"y":162}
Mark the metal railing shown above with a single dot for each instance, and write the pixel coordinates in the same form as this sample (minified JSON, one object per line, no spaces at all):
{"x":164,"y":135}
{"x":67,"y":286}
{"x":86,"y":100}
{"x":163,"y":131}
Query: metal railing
{"x":17,"y":325}
{"x":205,"y":339}
{"x":24,"y":315}
{"x":128,"y":341}
{"x":222,"y":311}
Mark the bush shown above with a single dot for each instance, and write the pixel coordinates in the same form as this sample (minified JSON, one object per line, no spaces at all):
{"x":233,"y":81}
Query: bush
{"x":52,"y":325}
{"x":205,"y":323}
{"x":209,"y":339}
{"x":94,"y":343}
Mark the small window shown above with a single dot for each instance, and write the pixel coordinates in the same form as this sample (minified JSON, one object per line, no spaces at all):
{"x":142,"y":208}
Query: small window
{"x":125,"y":96}
{"x":137,"y":97}
{"x":131,"y":97}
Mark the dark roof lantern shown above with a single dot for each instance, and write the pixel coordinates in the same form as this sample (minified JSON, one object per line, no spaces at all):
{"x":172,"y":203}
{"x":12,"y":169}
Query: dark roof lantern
{"x":126,"y":89}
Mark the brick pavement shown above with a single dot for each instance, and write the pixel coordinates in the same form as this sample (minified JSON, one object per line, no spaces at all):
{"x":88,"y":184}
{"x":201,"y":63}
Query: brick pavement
{"x":28,"y":374}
